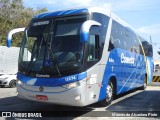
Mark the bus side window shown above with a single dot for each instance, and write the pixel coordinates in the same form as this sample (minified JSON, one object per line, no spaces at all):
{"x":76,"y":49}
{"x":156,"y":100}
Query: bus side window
{"x":134,"y":43}
{"x":93,"y":48}
{"x":116,"y":38}
{"x":127,"y":40}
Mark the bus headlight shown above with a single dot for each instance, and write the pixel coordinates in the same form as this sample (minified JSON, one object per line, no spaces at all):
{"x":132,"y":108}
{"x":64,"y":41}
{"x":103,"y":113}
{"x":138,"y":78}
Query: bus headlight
{"x":71,"y":85}
{"x":20,"y":82}
{"x":74,"y":84}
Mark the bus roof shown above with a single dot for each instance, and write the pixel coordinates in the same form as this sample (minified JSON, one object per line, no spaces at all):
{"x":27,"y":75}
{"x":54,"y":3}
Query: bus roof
{"x":62,"y":13}
{"x":88,"y":10}
{"x":72,"y":12}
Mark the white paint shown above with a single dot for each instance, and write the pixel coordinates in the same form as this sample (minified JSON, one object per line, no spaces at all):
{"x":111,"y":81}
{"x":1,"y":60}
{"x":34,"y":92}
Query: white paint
{"x":41,"y":23}
{"x":111,"y":60}
{"x":93,"y":80}
{"x":91,"y":95}
{"x":94,"y":76}
{"x":87,"y":25}
{"x":32,"y":81}
{"x":9,"y":36}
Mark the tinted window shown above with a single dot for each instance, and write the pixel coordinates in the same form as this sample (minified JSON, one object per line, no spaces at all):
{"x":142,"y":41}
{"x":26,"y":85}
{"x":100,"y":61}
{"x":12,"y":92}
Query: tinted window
{"x":147,"y":48}
{"x":102,"y":30}
{"x":93,"y":47}
{"x":117,"y":36}
{"x":67,"y":27}
{"x":127,"y":40}
{"x":135,"y":47}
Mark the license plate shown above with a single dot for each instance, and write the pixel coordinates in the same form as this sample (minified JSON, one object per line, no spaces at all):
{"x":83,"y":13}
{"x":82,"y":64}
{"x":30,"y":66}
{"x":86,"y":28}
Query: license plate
{"x":42,"y":97}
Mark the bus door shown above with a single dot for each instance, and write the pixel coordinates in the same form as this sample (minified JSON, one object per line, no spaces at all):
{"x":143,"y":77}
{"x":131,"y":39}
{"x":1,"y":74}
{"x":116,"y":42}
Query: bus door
{"x":93,"y":73}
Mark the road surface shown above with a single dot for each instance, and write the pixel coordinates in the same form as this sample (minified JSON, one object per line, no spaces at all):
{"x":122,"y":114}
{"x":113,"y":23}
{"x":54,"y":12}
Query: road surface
{"x":139,"y":100}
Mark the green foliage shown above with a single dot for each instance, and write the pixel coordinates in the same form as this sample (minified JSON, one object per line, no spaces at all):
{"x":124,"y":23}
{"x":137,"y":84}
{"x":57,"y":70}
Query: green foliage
{"x":13,"y":14}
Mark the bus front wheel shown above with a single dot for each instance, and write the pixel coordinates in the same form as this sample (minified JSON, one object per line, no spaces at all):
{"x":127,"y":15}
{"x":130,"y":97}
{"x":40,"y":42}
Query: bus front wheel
{"x":109,"y":94}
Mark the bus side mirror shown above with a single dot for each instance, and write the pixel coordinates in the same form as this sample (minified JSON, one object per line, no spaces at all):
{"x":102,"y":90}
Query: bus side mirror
{"x":9,"y":36}
{"x":84,"y":33}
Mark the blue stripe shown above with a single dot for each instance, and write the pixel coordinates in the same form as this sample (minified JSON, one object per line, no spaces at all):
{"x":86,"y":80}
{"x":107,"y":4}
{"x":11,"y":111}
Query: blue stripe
{"x":64,"y":12}
{"x":43,"y":15}
{"x":51,"y":82}
{"x":71,"y":11}
{"x":137,"y":79}
{"x":8,"y":41}
{"x":125,"y":73}
{"x":129,"y":77}
{"x":84,"y":37}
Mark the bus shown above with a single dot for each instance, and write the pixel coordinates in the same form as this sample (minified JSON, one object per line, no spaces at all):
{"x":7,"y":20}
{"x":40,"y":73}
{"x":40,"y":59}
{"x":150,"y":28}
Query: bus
{"x":79,"y":57}
{"x":148,"y":50}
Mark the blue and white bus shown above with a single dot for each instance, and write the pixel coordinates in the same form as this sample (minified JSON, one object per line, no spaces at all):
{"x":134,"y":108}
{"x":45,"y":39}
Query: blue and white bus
{"x":148,"y":50}
{"x":79,"y":57}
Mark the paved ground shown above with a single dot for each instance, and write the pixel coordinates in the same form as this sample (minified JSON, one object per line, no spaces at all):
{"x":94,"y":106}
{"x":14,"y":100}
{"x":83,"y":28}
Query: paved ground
{"x":138,"y":100}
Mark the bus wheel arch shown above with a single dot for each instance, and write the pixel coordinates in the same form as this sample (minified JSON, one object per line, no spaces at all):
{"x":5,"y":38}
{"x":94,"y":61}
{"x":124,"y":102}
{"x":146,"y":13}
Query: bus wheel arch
{"x":110,"y":91}
{"x":114,"y":82}
{"x":146,"y":78}
{"x":145,"y":83}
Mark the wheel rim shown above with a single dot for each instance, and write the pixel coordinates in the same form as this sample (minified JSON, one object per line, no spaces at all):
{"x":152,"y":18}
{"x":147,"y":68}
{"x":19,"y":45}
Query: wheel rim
{"x":13,"y":84}
{"x":109,"y":92}
{"x":145,"y":81}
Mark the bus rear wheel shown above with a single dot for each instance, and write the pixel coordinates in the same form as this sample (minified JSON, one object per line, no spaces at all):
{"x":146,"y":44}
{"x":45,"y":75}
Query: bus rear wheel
{"x":145,"y":83}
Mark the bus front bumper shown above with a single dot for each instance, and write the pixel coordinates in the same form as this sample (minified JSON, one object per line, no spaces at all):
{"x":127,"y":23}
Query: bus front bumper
{"x":71,"y":97}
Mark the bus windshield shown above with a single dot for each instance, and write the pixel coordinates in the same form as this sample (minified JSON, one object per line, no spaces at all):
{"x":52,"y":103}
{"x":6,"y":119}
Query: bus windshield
{"x":52,"y":45}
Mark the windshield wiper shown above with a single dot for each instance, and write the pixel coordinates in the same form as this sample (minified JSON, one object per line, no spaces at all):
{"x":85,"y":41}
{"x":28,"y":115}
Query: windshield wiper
{"x":31,"y":62}
{"x":54,"y":59}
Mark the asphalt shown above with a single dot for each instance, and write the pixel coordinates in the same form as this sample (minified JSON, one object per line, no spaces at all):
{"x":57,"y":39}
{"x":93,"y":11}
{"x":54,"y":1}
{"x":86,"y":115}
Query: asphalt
{"x":134,"y":102}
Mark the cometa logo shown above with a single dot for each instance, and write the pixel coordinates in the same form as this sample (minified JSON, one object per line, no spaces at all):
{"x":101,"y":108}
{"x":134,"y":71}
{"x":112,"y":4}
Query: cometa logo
{"x":127,"y":60}
{"x":46,"y":76}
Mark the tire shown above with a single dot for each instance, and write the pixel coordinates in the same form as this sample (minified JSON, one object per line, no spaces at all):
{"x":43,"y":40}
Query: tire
{"x":145,"y":84}
{"x":109,"y":94}
{"x":12,"y":84}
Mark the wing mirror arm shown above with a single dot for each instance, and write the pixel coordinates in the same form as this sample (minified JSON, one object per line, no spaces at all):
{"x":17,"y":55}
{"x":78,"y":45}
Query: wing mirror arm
{"x":9,"y":35}
{"x":84,"y":33}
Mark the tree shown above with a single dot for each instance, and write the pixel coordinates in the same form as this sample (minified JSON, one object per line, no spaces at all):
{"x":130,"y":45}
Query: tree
{"x":13,"y":14}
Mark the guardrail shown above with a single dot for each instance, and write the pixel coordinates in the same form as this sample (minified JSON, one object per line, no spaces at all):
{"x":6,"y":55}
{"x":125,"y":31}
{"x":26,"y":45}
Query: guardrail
{"x":156,"y":76}
{"x":156,"y":79}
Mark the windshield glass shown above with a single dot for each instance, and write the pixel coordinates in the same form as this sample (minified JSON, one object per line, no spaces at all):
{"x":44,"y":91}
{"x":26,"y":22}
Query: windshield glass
{"x":51,"y":46}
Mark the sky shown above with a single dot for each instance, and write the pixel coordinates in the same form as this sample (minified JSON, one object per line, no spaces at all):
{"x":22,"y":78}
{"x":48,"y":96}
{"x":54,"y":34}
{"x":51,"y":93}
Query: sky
{"x":142,"y":15}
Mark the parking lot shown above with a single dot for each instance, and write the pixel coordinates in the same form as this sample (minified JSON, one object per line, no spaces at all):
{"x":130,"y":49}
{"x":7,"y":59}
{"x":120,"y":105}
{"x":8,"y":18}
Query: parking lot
{"x":136,"y":100}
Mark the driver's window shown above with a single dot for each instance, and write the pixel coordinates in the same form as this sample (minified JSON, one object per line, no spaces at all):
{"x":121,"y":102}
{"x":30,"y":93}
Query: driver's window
{"x":93,"y":48}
